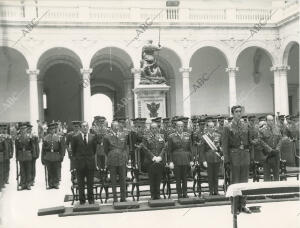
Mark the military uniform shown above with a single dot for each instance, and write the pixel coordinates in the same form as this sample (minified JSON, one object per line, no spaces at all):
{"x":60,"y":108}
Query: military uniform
{"x":154,"y":147}
{"x":8,"y":154}
{"x":213,"y":159}
{"x":293,"y":134}
{"x":179,"y":147}
{"x":271,"y":141}
{"x":24,"y":152}
{"x":36,"y":152}
{"x":4,"y":149}
{"x":236,"y":144}
{"x":52,"y":156}
{"x":115,"y":147}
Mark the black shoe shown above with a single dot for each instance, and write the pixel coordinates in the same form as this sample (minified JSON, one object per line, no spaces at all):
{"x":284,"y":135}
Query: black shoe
{"x":123,"y":200}
{"x":91,"y":202}
{"x":185,"y":196}
{"x":28,"y":187}
{"x":246,"y":210}
{"x":82,"y":203}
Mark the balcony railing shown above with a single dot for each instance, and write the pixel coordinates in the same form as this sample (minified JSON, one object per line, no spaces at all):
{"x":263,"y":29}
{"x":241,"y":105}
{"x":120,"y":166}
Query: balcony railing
{"x":65,"y":11}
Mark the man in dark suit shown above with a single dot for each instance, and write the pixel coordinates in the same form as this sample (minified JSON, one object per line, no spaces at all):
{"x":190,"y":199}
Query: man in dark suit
{"x":115,"y":147}
{"x":84,"y":150}
{"x":179,"y":146}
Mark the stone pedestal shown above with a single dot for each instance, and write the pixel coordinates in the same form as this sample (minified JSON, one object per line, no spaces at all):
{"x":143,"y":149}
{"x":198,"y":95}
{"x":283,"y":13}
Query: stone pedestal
{"x":151,"y":101}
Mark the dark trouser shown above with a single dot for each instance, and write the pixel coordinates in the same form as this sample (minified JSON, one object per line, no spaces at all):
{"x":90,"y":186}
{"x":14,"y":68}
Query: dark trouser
{"x":6,"y":170}
{"x":1,"y":175}
{"x":121,"y":170}
{"x":59,"y":171}
{"x":26,"y":173}
{"x":181,"y":172}
{"x":33,"y":169}
{"x":239,"y":174}
{"x":213,"y":177}
{"x":155,"y":173}
{"x":271,"y":164}
{"x":89,"y":175}
{"x":53,"y":173}
{"x":101,"y":161}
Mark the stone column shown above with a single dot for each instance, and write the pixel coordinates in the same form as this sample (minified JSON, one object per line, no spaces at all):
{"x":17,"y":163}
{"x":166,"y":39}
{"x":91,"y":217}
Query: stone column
{"x":127,"y":101}
{"x":86,"y":74}
{"x":136,"y":73}
{"x":33,"y":98}
{"x":281,"y":97}
{"x":232,"y":85}
{"x":186,"y":99}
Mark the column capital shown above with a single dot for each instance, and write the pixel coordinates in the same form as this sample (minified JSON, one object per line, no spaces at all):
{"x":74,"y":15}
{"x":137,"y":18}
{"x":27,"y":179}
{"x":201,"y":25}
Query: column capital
{"x":33,"y":74}
{"x":280,"y":68}
{"x":185,"y":69}
{"x":86,"y":71}
{"x":232,"y":69}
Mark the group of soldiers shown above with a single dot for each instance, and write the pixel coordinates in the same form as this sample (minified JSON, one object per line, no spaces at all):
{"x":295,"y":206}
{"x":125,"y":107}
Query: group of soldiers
{"x":175,"y":143}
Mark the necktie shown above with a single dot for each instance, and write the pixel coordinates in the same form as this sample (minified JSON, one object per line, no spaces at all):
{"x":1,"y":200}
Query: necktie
{"x":84,"y":139}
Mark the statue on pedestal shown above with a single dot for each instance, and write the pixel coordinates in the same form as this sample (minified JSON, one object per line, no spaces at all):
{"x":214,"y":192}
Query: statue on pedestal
{"x":150,"y":71}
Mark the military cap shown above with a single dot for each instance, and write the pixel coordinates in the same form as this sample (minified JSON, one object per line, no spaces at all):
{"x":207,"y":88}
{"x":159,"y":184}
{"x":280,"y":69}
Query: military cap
{"x":3,"y":126}
{"x":281,"y":117}
{"x":230,"y":118}
{"x":262,"y":118}
{"x":194,"y":119}
{"x":23,"y":125}
{"x":76,"y":122}
{"x":142,"y":120}
{"x":52,"y":125}
{"x":29,"y":126}
{"x":157,"y":120}
{"x":166,"y":120}
{"x":175,"y":118}
{"x":245,"y":117}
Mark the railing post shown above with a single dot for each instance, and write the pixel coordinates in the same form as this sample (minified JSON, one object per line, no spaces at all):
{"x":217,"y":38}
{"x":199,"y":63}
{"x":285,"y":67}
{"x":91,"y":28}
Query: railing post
{"x":30,"y":10}
{"x":231,"y":15}
{"x":135,"y":14}
{"x":184,"y":14}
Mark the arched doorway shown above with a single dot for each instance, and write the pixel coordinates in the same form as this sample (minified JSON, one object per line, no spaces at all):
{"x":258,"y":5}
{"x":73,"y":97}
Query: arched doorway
{"x":102,"y":105}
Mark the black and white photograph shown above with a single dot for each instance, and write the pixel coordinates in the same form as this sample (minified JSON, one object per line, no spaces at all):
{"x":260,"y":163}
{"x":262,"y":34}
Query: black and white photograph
{"x":149,"y":113}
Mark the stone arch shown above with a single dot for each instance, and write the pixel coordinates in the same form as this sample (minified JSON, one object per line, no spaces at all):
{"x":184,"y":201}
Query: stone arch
{"x":209,"y":43}
{"x":286,"y":49}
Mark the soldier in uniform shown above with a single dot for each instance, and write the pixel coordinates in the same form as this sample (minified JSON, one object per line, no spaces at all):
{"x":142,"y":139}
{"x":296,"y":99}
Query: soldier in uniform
{"x":271,"y":140}
{"x":4,"y":150}
{"x":100,"y":130}
{"x":154,"y":145}
{"x":36,"y":151}
{"x":236,"y":145}
{"x":9,"y":153}
{"x":84,"y":147}
{"x":211,"y":156}
{"x":24,"y":152}
{"x":115,"y":147}
{"x":167,"y":128}
{"x":179,"y":147}
{"x":293,"y":134}
{"x":52,"y":155}
{"x":256,"y":147}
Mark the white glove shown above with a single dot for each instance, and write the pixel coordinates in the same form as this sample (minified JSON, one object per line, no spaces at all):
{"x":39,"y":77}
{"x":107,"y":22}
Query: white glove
{"x":171,"y":165}
{"x":205,"y":164}
{"x":191,"y":163}
{"x":154,"y":159}
{"x":222,"y":158}
{"x":158,"y":159}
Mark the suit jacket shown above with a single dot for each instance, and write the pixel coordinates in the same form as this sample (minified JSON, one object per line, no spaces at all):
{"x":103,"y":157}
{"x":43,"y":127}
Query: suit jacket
{"x":180,"y":149}
{"x":84,"y":155}
{"x":235,"y":135}
{"x":115,"y":147}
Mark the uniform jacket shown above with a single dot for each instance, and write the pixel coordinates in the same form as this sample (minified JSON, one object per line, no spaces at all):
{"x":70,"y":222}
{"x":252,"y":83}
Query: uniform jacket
{"x":52,"y":148}
{"x":4,"y":149}
{"x":271,"y":140}
{"x":179,"y":148}
{"x":256,"y":147}
{"x":36,"y":148}
{"x":155,"y":146}
{"x":115,"y":147}
{"x":235,"y":136}
{"x":206,"y":153}
{"x":24,"y":148}
{"x":84,"y":155}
